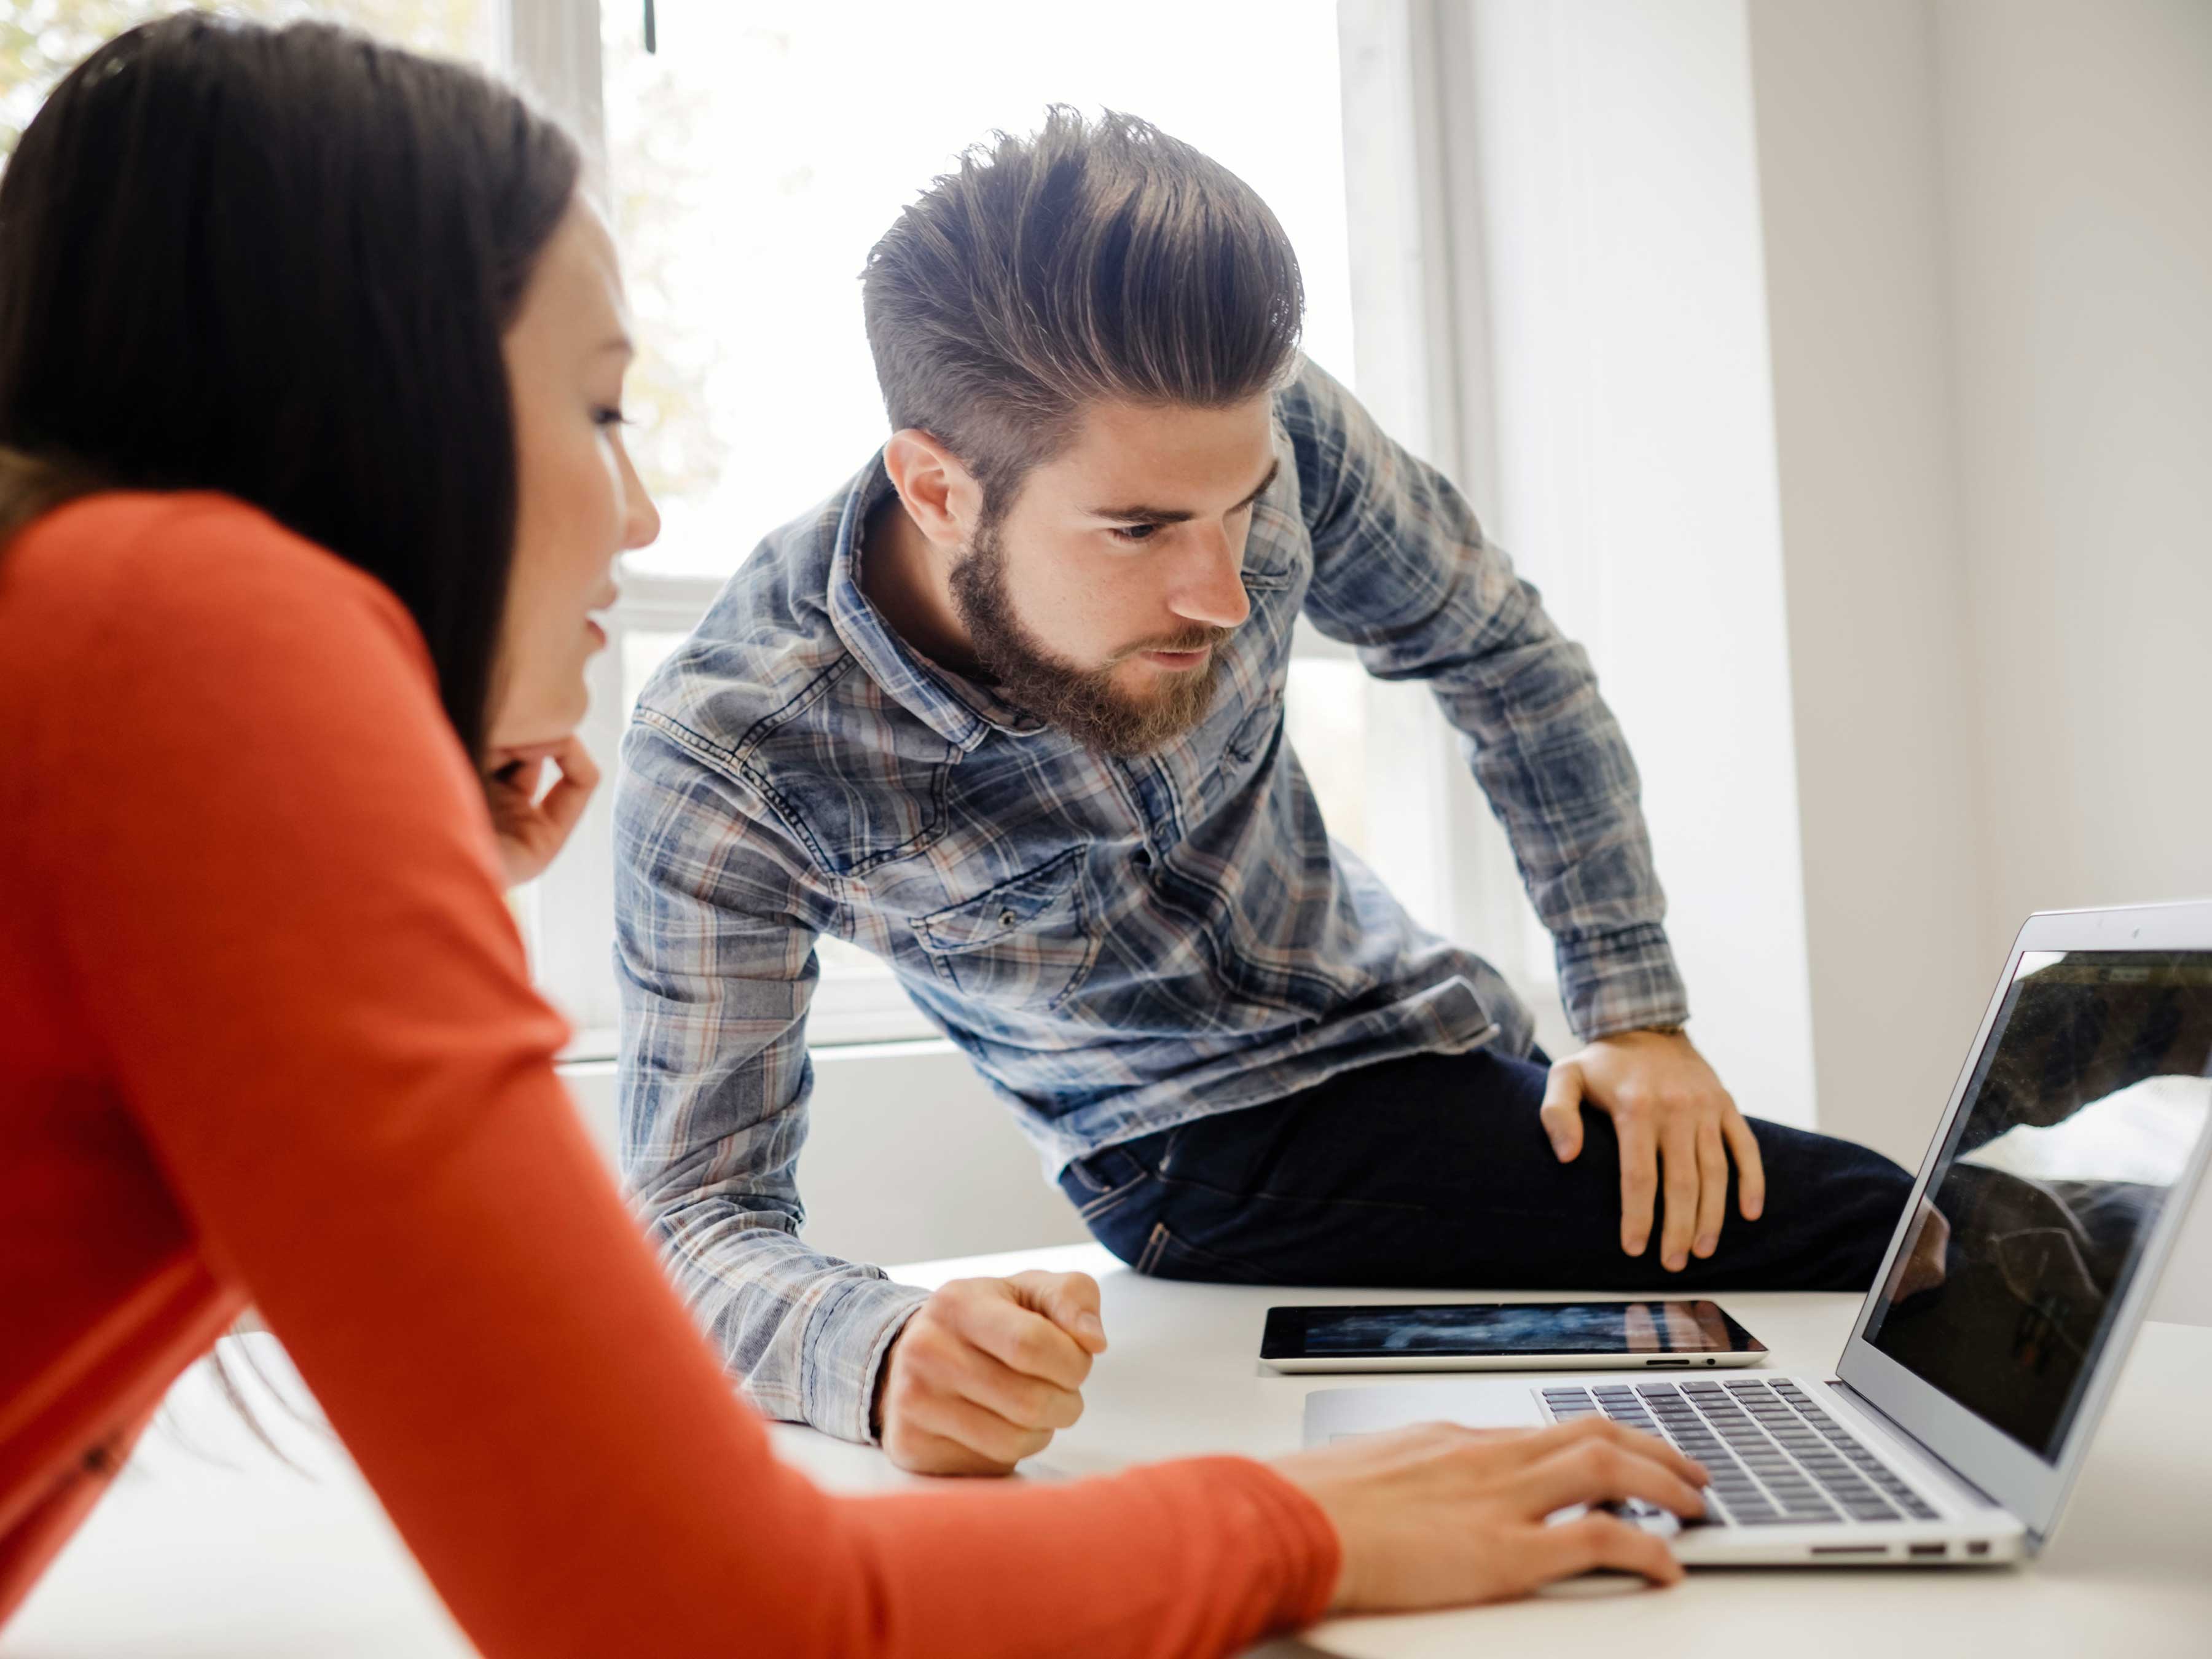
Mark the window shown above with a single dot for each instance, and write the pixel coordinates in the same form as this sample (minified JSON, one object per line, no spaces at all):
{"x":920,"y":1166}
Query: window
{"x":755,"y":159}
{"x":752,"y":162}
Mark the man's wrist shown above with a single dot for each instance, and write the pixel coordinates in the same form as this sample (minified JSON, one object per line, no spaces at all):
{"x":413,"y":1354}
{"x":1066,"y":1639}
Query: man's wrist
{"x":1656,"y":1028}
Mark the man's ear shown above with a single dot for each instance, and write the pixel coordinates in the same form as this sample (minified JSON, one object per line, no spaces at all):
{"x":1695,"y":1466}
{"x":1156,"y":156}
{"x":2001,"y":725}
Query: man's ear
{"x":940,"y":495}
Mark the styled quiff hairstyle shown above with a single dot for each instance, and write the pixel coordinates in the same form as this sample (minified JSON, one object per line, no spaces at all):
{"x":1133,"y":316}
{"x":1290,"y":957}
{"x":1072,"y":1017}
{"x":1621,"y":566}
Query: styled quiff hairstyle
{"x":1088,"y":261}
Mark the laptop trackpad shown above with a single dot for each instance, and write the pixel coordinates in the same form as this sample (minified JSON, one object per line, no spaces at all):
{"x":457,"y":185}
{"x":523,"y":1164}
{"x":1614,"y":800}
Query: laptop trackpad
{"x":1481,"y":1403}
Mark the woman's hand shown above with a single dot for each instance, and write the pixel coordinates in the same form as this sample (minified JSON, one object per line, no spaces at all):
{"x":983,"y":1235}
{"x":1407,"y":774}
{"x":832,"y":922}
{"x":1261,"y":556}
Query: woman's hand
{"x":1441,"y":1515}
{"x":531,"y":828}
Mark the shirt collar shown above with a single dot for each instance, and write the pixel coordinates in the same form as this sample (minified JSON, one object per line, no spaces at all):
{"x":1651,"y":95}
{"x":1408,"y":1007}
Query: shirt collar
{"x":959,"y":710}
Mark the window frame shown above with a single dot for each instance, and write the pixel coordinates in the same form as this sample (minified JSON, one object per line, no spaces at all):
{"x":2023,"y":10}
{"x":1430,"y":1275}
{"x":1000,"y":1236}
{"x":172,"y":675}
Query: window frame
{"x":1421,"y":325}
{"x":1419,"y":332}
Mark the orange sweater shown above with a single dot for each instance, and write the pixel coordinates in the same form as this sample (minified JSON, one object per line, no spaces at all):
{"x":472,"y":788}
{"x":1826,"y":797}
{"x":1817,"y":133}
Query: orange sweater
{"x":266,"y":1036}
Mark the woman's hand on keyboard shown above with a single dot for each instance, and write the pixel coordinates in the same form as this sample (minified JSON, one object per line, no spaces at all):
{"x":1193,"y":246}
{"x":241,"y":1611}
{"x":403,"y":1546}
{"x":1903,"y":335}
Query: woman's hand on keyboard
{"x":1442,"y":1516}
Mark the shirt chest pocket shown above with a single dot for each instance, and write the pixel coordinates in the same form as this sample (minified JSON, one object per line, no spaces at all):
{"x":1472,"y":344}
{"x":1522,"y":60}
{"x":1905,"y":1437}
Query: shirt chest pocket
{"x":1220,"y":768}
{"x":1029,"y":942}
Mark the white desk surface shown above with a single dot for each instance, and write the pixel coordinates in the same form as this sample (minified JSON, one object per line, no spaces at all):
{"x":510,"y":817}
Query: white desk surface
{"x":191,"y":1557}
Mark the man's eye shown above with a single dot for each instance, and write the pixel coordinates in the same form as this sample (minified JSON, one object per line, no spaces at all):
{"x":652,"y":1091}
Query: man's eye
{"x":605,"y":416}
{"x":1135,"y":534}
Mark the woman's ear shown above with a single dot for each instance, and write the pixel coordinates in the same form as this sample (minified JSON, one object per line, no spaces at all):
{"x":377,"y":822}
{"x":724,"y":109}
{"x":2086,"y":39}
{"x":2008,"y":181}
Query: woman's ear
{"x":940,"y":495}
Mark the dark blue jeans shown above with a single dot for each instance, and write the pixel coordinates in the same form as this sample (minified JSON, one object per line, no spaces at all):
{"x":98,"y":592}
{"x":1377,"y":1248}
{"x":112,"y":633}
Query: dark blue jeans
{"x":1435,"y":1171}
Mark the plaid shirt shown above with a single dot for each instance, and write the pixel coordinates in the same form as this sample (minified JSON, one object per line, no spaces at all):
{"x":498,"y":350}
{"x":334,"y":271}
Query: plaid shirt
{"x":1119,"y":945}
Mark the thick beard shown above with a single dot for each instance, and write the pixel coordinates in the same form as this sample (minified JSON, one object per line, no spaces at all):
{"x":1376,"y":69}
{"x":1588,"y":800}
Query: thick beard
{"x":1084,"y":703}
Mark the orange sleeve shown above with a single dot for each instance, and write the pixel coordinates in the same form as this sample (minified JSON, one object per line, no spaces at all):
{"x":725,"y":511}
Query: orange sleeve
{"x":276,"y":895}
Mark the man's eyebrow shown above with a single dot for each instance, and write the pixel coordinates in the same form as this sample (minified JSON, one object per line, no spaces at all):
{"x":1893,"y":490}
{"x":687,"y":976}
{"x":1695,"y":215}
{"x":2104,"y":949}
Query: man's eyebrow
{"x":620,"y":342}
{"x":1180,"y":515}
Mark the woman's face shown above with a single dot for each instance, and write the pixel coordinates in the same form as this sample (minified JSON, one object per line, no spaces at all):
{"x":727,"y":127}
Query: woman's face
{"x":580,"y":502}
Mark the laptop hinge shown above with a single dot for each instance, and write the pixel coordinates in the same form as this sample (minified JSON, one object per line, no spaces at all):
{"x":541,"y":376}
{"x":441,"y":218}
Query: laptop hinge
{"x":1914,"y":1441}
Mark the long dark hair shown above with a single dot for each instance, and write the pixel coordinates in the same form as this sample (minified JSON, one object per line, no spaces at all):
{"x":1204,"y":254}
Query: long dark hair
{"x":278,"y":262}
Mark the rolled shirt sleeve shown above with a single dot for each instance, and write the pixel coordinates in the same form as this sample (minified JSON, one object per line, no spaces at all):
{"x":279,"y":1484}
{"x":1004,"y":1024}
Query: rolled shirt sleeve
{"x":716,"y":919}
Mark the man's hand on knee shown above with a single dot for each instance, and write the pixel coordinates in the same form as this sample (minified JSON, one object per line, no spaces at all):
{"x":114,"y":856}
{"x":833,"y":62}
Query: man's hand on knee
{"x":986,"y":1371}
{"x":1676,"y":1125}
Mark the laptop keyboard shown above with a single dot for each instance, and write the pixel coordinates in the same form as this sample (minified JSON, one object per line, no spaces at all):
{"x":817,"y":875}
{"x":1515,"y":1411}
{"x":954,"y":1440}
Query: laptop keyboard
{"x":1774,"y":1456}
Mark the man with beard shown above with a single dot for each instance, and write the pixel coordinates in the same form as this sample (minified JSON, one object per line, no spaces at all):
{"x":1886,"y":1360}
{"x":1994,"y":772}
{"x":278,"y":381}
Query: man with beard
{"x":1006,"y":711}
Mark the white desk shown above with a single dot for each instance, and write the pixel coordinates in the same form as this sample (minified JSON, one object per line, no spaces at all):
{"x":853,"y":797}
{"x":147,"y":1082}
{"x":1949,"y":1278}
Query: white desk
{"x":188,"y":1558}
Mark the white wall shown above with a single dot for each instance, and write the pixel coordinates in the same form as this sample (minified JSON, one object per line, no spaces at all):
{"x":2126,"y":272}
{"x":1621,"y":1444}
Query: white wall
{"x":2077,"y":165}
{"x":908,"y":1156}
{"x":1890,"y":781}
{"x":1988,"y":227}
{"x":2076,"y":152}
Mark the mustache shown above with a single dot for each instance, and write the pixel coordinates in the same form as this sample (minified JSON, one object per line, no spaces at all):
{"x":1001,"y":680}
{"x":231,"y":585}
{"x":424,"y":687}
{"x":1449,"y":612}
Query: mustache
{"x":1203,"y":639}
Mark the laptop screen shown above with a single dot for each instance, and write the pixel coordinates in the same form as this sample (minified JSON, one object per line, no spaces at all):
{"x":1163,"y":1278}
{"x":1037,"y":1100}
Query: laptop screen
{"x":2082,"y":1112}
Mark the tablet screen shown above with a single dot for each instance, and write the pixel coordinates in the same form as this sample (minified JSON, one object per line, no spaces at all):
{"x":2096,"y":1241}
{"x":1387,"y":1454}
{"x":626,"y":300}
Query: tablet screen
{"x":1504,"y":1328}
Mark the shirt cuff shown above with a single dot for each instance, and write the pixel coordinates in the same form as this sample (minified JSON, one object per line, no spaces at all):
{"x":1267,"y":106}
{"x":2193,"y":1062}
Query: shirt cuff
{"x":1620,"y":981}
{"x":844,"y":1350}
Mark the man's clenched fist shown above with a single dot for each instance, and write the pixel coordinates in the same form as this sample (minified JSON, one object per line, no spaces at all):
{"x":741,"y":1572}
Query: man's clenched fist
{"x":986,"y":1370}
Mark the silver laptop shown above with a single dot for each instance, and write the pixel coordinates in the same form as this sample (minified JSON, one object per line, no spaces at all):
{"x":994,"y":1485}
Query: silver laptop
{"x":1971,"y":1384}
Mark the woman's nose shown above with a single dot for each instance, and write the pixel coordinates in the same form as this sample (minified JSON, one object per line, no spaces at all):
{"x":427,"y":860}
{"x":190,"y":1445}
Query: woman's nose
{"x":641,"y":517}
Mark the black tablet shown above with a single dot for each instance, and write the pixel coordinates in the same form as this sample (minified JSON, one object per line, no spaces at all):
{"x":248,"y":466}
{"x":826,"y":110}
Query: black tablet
{"x":1468,"y":1336}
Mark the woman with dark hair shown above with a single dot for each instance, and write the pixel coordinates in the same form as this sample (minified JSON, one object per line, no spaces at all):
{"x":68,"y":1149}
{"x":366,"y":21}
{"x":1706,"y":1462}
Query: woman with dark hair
{"x":310,"y":474}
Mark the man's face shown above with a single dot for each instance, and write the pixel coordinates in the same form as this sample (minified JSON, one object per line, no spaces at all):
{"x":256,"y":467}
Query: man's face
{"x":1101,"y":596}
